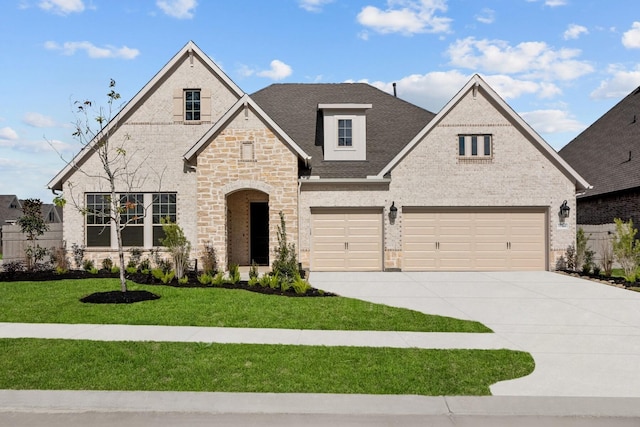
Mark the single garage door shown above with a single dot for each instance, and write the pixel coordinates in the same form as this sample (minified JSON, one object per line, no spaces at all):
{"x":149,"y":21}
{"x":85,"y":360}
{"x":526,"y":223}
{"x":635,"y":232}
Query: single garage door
{"x":346,"y":240}
{"x":473,"y":240}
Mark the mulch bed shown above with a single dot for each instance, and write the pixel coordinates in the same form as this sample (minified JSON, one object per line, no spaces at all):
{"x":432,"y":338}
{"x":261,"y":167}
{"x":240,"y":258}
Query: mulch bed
{"x":119,"y":297}
{"x":618,"y":282}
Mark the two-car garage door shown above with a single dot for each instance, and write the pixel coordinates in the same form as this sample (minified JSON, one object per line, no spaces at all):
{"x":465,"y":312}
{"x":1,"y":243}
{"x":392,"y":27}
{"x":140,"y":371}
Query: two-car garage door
{"x":473,"y":240}
{"x":436,"y":239}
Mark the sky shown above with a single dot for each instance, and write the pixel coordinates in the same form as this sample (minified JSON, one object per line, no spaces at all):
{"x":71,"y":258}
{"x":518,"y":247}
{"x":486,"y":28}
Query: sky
{"x":560,"y":64}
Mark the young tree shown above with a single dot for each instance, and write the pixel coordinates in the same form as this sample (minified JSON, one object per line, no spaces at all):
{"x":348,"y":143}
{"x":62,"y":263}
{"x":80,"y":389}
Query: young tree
{"x":32,"y":224}
{"x":626,"y":248}
{"x":97,"y":133}
{"x":178,"y":246}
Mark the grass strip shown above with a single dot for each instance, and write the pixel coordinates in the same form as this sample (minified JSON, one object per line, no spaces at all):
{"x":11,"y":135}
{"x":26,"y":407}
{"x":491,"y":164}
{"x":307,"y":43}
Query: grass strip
{"x":58,"y":302}
{"x":95,"y":365}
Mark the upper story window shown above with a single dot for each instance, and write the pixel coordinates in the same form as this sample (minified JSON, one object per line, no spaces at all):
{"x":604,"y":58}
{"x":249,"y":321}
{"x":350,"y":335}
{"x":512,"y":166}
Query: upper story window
{"x":345,"y":133}
{"x":475,"y":146}
{"x":344,"y":128}
{"x":192,"y":104}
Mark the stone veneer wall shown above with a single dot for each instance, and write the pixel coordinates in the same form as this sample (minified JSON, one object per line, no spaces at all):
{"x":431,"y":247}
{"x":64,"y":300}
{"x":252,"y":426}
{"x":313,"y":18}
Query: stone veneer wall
{"x":222,"y":170}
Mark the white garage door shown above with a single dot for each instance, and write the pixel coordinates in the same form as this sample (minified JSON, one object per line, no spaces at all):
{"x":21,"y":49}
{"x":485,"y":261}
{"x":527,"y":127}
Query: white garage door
{"x":346,"y":240}
{"x":495,"y":240}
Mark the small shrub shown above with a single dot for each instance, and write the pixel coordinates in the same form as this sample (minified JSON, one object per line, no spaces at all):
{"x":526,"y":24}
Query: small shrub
{"x":13,"y":266}
{"x":301,"y":286}
{"x":265,"y":280}
{"x":253,"y":270}
{"x":165,"y":265}
{"x":131,"y":269}
{"x":253,"y":281}
{"x":164,"y":277}
{"x":78,"y":255}
{"x":134,"y":256}
{"x":571,"y":257}
{"x":209,"y":259}
{"x":285,"y":264}
{"x":581,"y":249}
{"x":107,"y":264}
{"x":205,"y":279}
{"x":606,"y":249}
{"x":234,"y":274}
{"x":178,"y":245}
{"x":60,"y":260}
{"x":596,"y":270}
{"x":274,"y":281}
{"x":93,"y":270}
{"x":218,"y":279}
{"x":115,"y":269}
{"x":88,"y":265}
{"x":626,"y":248}
{"x":145,"y":266}
{"x":183,"y":280}
{"x":561,"y":263}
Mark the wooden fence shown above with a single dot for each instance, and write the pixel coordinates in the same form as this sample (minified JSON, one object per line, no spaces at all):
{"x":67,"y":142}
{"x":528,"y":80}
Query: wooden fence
{"x":14,"y":241}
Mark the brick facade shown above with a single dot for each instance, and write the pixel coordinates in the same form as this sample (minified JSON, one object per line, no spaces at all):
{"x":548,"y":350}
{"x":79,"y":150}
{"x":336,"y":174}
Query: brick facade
{"x":602,"y":209}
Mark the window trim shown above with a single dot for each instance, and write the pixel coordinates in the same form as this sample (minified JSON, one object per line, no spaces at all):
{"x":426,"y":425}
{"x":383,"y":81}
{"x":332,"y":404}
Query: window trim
{"x":145,"y":222}
{"x":192,"y":110}
{"x":473,"y":146}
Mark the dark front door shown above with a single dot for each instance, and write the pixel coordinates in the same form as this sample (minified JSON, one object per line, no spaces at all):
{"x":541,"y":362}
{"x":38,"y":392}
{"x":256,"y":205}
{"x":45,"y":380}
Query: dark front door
{"x":259,"y":223}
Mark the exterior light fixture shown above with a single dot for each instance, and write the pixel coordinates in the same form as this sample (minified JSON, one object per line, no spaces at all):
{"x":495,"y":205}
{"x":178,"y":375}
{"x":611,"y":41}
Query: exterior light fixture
{"x":564,"y":210}
{"x":393,"y":212}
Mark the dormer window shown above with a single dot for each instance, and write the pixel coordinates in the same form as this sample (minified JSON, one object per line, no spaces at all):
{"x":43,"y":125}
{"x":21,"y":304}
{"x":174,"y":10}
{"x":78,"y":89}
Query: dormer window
{"x":345,"y":131}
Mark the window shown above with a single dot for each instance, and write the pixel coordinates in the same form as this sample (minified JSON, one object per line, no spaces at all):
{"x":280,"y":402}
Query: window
{"x":141,"y":229}
{"x":164,"y":206}
{"x":345,"y":133}
{"x":98,"y":220}
{"x":475,"y":146}
{"x":192,"y":104}
{"x":132,"y":216}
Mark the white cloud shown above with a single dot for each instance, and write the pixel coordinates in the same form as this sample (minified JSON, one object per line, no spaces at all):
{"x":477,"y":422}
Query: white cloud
{"x":552,"y":121}
{"x":406,"y":17}
{"x":621,"y":83}
{"x":574,"y":31}
{"x":631,"y":38}
{"x":278,"y":71}
{"x":62,"y":7}
{"x":6,"y":133}
{"x":531,"y":59}
{"x":70,"y":48}
{"x":181,"y":9}
{"x":313,"y":5}
{"x":510,"y":88}
{"x":38,"y":120}
{"x":486,"y":16}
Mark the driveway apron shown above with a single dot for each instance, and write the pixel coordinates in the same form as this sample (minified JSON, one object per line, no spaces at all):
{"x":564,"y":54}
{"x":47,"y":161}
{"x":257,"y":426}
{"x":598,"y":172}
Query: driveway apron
{"x":583,"y":335}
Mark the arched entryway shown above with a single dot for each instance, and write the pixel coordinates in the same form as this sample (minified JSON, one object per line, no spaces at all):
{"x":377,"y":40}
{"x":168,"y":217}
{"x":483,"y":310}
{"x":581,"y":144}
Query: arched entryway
{"x":248,"y":227}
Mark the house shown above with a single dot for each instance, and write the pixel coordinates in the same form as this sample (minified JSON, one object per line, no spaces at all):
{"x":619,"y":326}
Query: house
{"x":607,"y":154}
{"x":364,"y":180}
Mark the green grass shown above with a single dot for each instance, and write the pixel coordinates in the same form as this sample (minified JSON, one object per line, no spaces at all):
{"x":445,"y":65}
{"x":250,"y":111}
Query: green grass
{"x":58,"y":302}
{"x":89,"y":365}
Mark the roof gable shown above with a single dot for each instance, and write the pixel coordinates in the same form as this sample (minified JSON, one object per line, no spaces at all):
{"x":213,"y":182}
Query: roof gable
{"x":189,"y":50}
{"x":474,"y":84}
{"x":244,"y":102}
{"x":607,"y":153}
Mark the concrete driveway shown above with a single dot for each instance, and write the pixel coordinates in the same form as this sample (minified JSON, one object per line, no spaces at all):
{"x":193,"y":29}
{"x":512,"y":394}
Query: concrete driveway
{"x":583,"y":335}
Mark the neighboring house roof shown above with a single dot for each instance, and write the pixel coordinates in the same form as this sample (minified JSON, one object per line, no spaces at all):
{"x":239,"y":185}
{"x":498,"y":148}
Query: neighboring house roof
{"x":189,"y":49}
{"x":476,"y":83}
{"x":607,"y":153}
{"x":391,"y":123}
{"x":242,"y":103}
{"x":10,"y":208}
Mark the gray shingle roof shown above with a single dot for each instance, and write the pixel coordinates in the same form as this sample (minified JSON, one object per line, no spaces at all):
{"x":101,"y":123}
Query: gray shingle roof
{"x":8,"y":213}
{"x":607,"y":153}
{"x":391,"y":122}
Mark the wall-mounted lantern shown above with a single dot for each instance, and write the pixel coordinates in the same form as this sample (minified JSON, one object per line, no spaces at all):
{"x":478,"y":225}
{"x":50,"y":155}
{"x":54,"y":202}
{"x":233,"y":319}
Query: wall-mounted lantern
{"x":393,"y":212}
{"x":564,"y":211}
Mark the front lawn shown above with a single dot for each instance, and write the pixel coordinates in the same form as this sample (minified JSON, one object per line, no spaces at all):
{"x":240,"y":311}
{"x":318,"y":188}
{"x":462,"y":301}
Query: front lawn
{"x":94,"y":365}
{"x":58,"y":302}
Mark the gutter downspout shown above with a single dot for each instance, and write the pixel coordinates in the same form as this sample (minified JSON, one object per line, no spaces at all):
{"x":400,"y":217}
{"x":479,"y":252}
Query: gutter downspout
{"x":299,"y":225}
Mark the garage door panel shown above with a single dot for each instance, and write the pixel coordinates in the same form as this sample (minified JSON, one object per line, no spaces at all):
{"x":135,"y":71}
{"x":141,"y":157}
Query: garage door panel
{"x":474,"y":240}
{"x":346,"y":240}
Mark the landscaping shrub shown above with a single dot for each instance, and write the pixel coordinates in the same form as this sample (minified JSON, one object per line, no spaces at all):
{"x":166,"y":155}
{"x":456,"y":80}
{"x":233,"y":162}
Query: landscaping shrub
{"x":164,"y":277}
{"x":107,"y":264}
{"x":209,"y":259}
{"x":60,"y":260}
{"x":234,"y":274}
{"x":78,"y":255}
{"x":178,"y":245}
{"x":626,"y":248}
{"x":88,"y":265}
